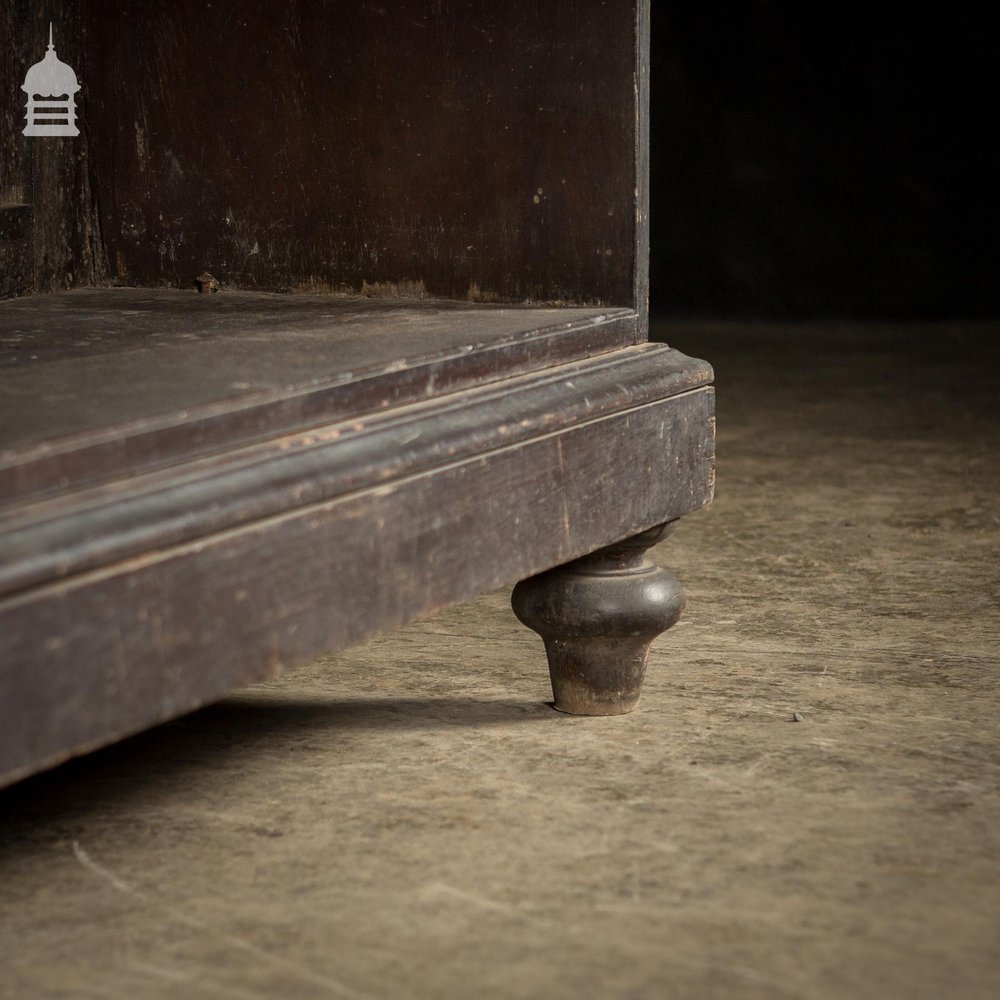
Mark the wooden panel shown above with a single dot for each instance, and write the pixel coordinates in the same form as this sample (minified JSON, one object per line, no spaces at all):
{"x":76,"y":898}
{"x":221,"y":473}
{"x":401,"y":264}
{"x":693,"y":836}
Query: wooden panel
{"x":114,"y":650}
{"x":641,"y":111}
{"x":95,"y":381}
{"x":15,"y":249}
{"x":467,"y":149}
{"x":89,"y":528}
{"x":52,"y":175}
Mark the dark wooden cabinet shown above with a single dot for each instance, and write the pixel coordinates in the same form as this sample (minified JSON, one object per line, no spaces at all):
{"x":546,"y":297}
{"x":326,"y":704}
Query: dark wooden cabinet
{"x":425,"y":373}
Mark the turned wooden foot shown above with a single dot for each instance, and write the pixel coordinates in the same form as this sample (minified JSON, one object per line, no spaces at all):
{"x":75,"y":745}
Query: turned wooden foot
{"x":598,"y":616}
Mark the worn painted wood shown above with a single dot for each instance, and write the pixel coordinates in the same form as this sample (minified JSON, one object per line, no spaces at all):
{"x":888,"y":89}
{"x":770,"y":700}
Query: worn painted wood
{"x":109,"y":650}
{"x":87,"y":528}
{"x":457,"y":149}
{"x":99,"y":380}
{"x":54,"y":176}
{"x":640,"y":272}
{"x":198,"y":490}
{"x":15,"y":249}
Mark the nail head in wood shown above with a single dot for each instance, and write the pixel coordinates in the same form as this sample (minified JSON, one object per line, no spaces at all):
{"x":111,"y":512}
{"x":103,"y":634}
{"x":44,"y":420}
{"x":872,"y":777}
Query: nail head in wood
{"x":206,"y":283}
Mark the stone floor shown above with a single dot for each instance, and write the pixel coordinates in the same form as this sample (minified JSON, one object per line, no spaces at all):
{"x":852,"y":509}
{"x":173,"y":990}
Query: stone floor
{"x":410,"y":819}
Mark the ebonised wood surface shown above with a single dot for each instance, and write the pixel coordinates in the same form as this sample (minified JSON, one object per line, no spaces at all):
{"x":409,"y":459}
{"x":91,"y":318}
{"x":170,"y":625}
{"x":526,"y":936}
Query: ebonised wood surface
{"x":131,"y":602}
{"x":198,"y":491}
{"x":95,"y":380}
{"x":474,"y":151}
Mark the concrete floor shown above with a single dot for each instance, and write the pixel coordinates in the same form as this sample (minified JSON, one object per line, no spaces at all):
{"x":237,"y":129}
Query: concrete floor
{"x":410,"y":820}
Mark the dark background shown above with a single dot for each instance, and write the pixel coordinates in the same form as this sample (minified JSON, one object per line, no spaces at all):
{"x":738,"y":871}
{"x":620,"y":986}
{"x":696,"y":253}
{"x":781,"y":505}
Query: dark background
{"x":812,"y":161}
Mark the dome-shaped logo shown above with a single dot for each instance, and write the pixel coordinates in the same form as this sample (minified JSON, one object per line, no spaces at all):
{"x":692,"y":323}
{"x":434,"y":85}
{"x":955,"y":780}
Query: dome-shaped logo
{"x":51,"y":87}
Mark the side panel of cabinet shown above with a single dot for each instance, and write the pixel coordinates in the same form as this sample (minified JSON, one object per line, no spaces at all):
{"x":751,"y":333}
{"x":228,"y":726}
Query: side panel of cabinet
{"x":455,"y":149}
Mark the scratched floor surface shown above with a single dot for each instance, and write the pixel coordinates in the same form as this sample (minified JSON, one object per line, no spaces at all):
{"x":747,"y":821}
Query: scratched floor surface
{"x":411,"y":820}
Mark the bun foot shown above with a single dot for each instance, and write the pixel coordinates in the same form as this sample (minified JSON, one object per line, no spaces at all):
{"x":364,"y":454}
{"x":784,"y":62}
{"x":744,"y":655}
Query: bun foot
{"x":598,"y":617}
